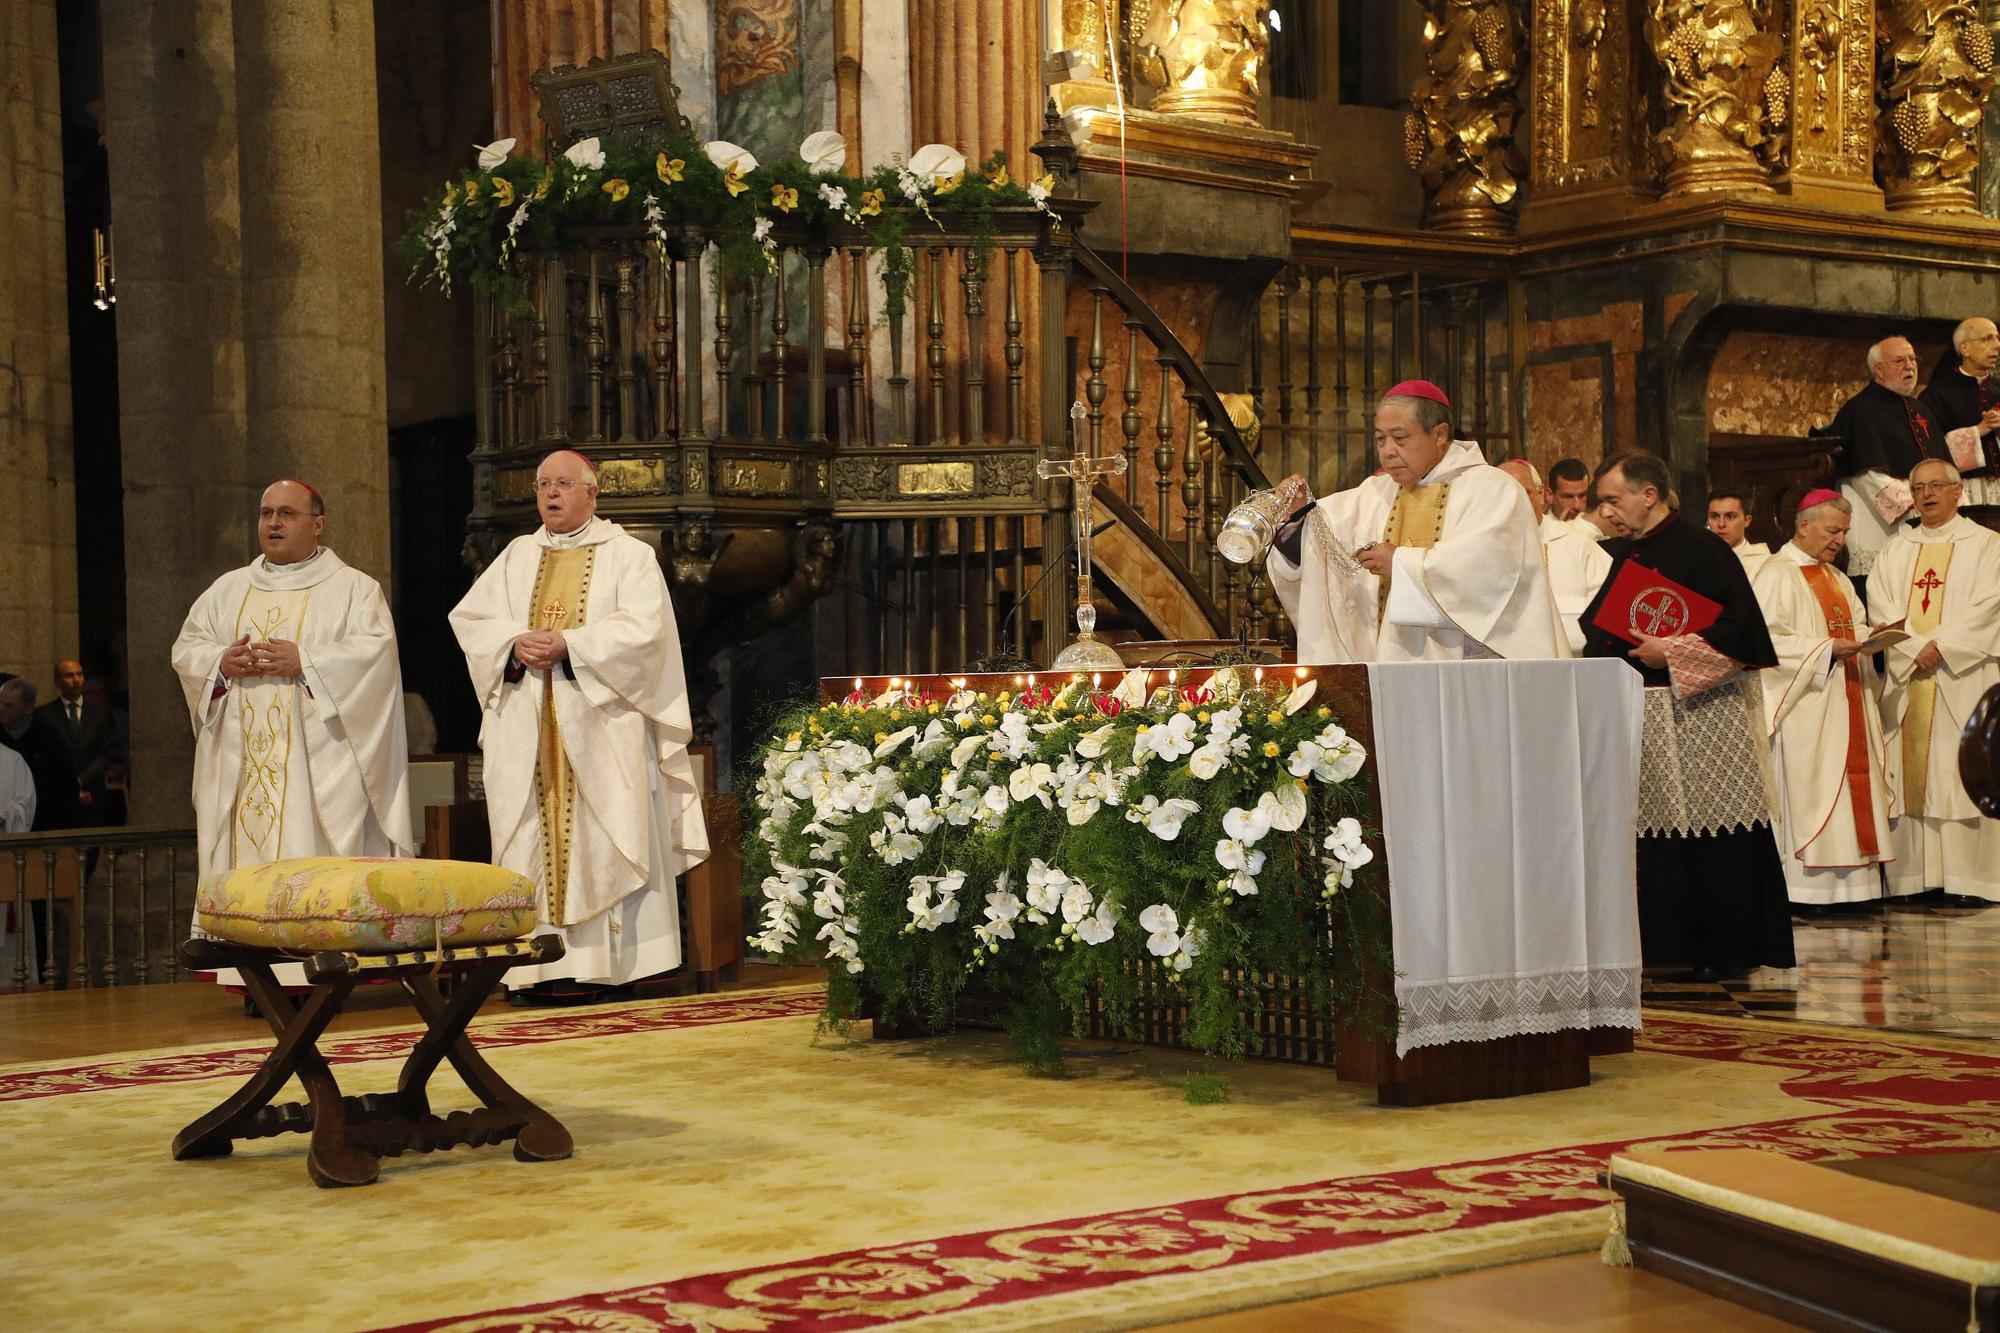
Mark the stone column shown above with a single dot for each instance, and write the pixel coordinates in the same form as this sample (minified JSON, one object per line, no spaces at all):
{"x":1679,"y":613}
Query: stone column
{"x":170,"y":98}
{"x":38,"y":547}
{"x":1589,"y":158}
{"x":312,"y":260}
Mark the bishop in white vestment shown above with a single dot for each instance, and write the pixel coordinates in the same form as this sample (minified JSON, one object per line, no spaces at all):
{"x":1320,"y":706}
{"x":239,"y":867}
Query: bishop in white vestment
{"x":295,"y":692}
{"x":1943,"y":577}
{"x":571,"y":643}
{"x":1822,"y":704}
{"x":1437,"y":557}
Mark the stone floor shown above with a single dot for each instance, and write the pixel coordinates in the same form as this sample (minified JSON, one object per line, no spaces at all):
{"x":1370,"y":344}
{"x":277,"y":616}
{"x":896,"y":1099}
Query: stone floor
{"x":1910,"y":967}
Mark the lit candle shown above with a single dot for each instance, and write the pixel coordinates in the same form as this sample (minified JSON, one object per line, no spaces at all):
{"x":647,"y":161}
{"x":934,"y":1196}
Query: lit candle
{"x":1096,"y":679}
{"x":1031,"y":680}
{"x":1302,"y":673}
{"x":1018,"y":680}
{"x":857,"y":684}
{"x":1260,"y":675}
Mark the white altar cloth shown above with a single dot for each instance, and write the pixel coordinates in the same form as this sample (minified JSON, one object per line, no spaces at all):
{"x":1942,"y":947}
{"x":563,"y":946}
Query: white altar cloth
{"x":1509,"y":812}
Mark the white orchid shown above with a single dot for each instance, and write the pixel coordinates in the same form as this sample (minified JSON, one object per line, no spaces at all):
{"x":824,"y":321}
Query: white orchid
{"x":937,"y":165}
{"x":1170,"y":740}
{"x":1046,"y":886}
{"x":1003,"y":909}
{"x":1031,"y":782}
{"x":1284,"y":806}
{"x":1191,"y":942}
{"x":1224,"y":723}
{"x":493,"y":154}
{"x":585,"y":155}
{"x":823,"y":152}
{"x":1246,"y":826}
{"x":1100,"y":925}
{"x":829,"y":903}
{"x":1347,"y":844}
{"x":787,"y":886}
{"x":1164,"y":820}
{"x":1242,"y":883}
{"x":1162,"y":929}
{"x":1232,"y":854}
{"x":1076,"y":901}
{"x":894,"y":742}
{"x":835,"y":197}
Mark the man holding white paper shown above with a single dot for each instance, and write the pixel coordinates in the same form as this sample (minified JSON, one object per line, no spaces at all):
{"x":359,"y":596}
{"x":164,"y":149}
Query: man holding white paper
{"x":1883,"y":432}
{"x":1966,"y":402}
{"x":1822,"y":704}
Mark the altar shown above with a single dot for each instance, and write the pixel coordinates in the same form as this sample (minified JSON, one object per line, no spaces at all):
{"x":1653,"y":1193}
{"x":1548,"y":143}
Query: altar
{"x":1498,"y":799}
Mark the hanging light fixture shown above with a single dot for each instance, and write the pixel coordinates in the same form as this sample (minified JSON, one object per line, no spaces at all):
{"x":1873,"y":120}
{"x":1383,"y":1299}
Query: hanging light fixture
{"x":107,"y":270}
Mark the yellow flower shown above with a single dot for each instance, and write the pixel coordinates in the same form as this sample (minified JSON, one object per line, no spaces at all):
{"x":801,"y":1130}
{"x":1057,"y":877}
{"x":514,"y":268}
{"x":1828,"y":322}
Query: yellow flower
{"x":990,"y":720}
{"x":1324,"y":713}
{"x":1276,"y":717}
{"x":946,"y":184}
{"x":999,"y":179}
{"x":1186,"y":709}
{"x":871,"y":203}
{"x":503,"y":192}
{"x":793,"y":737}
{"x":1270,"y":749}
{"x":934,"y":708}
{"x":542,"y":185}
{"x":881,"y":736}
{"x":733,"y":179}
{"x":1143,"y":729}
{"x":450,"y":193}
{"x":784,"y":198}
{"x":1046,"y":182}
{"x":982,"y":696}
{"x":670,"y":168}
{"x":617,"y":187}
{"x":1202,"y":717}
{"x":471,"y":191}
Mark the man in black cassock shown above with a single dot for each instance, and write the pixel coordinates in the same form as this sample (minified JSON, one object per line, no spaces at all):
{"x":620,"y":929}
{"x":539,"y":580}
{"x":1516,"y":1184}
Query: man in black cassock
{"x":1962,"y":396}
{"x":1711,"y":886}
{"x":1883,"y":431}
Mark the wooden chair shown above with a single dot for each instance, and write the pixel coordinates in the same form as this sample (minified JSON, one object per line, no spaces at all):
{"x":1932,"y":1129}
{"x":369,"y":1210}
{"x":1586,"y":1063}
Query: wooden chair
{"x":350,"y":1135}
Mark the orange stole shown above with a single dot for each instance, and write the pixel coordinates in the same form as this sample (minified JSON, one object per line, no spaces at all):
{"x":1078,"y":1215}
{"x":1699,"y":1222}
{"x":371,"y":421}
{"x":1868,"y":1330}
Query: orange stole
{"x":1840,"y":625}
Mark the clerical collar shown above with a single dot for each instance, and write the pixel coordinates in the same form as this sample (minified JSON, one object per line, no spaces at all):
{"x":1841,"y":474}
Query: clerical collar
{"x":1924,"y":532}
{"x":270,"y":568}
{"x":1976,"y":379}
{"x":574,"y":537}
{"x":1666,"y":521}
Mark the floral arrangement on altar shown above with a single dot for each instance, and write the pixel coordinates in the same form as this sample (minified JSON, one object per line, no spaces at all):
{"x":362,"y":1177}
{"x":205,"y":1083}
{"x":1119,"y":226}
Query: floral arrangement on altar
{"x":1060,"y":846}
{"x":473,"y":227}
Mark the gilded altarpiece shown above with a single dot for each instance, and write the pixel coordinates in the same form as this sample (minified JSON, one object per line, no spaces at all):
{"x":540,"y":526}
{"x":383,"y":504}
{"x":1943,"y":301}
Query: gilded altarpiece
{"x":1830,"y":64}
{"x":1589,"y":146}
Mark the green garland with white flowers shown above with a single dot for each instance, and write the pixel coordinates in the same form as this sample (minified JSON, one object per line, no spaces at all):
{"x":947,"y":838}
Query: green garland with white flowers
{"x":474,"y":227}
{"x":1051,"y":848}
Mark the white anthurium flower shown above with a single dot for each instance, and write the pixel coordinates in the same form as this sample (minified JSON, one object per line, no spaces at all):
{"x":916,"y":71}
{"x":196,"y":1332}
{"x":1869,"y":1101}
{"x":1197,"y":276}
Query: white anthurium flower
{"x":1246,"y":826}
{"x":934,"y":740}
{"x":585,"y":155}
{"x":1131,"y":691}
{"x":1076,"y":901}
{"x":1206,"y":762}
{"x":792,"y":742}
{"x":967,"y":746}
{"x":1081,"y":810}
{"x":1284,"y":806}
{"x":1165,"y":821}
{"x":936,"y":163}
{"x":823,"y":152}
{"x":1091,"y":746}
{"x":895,"y":742}
{"x":493,"y":154}
{"x":1100,"y":925}
{"x":1301,"y":695}
{"x":1226,"y":684}
{"x":734,"y":158}
{"x":1343,"y":763}
{"x":962,"y":700}
{"x":1031,"y":782}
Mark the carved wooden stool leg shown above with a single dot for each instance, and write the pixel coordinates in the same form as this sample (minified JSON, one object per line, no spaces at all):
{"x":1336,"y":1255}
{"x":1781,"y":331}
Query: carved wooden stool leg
{"x":297,"y":1031}
{"x":542,"y":1137}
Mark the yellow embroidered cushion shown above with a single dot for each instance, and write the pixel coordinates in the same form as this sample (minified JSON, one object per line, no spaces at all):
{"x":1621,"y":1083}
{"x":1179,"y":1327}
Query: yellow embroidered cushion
{"x":365,"y":904}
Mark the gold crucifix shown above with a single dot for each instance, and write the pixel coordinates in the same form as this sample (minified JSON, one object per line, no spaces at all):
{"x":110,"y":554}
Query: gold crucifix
{"x":1082,"y":469}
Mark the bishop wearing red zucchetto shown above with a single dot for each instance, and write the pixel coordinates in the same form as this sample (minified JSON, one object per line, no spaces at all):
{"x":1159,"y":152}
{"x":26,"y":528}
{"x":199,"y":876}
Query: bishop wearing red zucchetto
{"x":1435,"y":557}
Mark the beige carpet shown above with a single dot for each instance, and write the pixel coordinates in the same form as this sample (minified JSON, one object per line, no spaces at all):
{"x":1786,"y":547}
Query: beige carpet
{"x":730,"y":1173}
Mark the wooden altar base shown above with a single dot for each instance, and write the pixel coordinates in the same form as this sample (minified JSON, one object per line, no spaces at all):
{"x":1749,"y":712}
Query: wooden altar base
{"x":1879,"y":1243}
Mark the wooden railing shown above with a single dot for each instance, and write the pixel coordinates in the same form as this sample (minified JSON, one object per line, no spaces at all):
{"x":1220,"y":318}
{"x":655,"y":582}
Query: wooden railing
{"x":119,"y":898}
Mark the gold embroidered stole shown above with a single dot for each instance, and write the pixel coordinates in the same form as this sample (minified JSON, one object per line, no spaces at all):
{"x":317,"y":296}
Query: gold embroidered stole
{"x":562,"y":591}
{"x":1416,"y":519}
{"x":266,"y":719}
{"x":1840,"y":624}
{"x":1925,"y":610}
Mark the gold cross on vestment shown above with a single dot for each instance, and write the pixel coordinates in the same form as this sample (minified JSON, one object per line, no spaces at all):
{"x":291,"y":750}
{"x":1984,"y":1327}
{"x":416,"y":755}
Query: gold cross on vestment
{"x":552,"y":614}
{"x":1082,"y":469}
{"x":1929,"y":583}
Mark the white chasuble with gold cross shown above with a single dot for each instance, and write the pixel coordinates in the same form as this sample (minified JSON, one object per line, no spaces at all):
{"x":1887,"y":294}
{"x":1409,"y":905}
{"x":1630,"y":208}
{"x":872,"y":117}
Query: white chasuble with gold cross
{"x":1945,"y":582}
{"x":589,"y":788}
{"x":1468,"y":580}
{"x":309,"y":765}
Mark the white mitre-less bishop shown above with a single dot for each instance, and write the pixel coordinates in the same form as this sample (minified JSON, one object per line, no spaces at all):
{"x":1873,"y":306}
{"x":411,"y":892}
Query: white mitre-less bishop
{"x":309,"y":765}
{"x":1826,"y":732}
{"x":1944,"y":578}
{"x":1468,"y":579}
{"x":589,"y":788}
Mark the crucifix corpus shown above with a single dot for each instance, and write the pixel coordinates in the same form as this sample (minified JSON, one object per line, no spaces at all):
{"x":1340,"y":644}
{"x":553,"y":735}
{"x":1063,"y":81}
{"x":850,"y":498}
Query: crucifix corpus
{"x":1082,"y":469}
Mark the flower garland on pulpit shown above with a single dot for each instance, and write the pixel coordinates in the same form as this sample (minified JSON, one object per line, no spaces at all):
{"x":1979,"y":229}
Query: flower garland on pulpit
{"x":1054,"y":847}
{"x":473,"y":228}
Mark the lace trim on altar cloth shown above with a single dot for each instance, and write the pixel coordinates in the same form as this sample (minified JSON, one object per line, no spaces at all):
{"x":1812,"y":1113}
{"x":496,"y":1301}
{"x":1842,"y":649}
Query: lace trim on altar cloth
{"x":1704,"y":766}
{"x":1436,"y":1012}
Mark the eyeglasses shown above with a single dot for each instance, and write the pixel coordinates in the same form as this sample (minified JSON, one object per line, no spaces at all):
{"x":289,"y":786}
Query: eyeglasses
{"x":285,"y":515}
{"x":546,"y":485}
{"x":1920,"y":487}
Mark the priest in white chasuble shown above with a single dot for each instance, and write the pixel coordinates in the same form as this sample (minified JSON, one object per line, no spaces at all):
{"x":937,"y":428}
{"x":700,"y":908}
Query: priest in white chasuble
{"x":1822,"y":703}
{"x":1711,"y":889}
{"x":1577,"y":564}
{"x":1435,"y":557}
{"x":295,"y":690}
{"x":1942,"y":578}
{"x":571,"y":642}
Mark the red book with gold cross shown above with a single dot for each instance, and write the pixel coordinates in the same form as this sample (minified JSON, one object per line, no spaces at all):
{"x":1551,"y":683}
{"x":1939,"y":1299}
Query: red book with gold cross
{"x":1642,"y":601}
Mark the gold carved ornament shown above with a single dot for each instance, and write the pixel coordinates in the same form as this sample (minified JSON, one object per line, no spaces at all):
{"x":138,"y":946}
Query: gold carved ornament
{"x":1719,"y":61}
{"x":1203,"y":58}
{"x":1936,"y":72}
{"x":1459,"y":133}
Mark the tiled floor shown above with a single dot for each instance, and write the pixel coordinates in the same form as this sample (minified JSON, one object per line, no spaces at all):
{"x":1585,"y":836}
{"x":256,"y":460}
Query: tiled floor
{"x":1908,"y":966}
